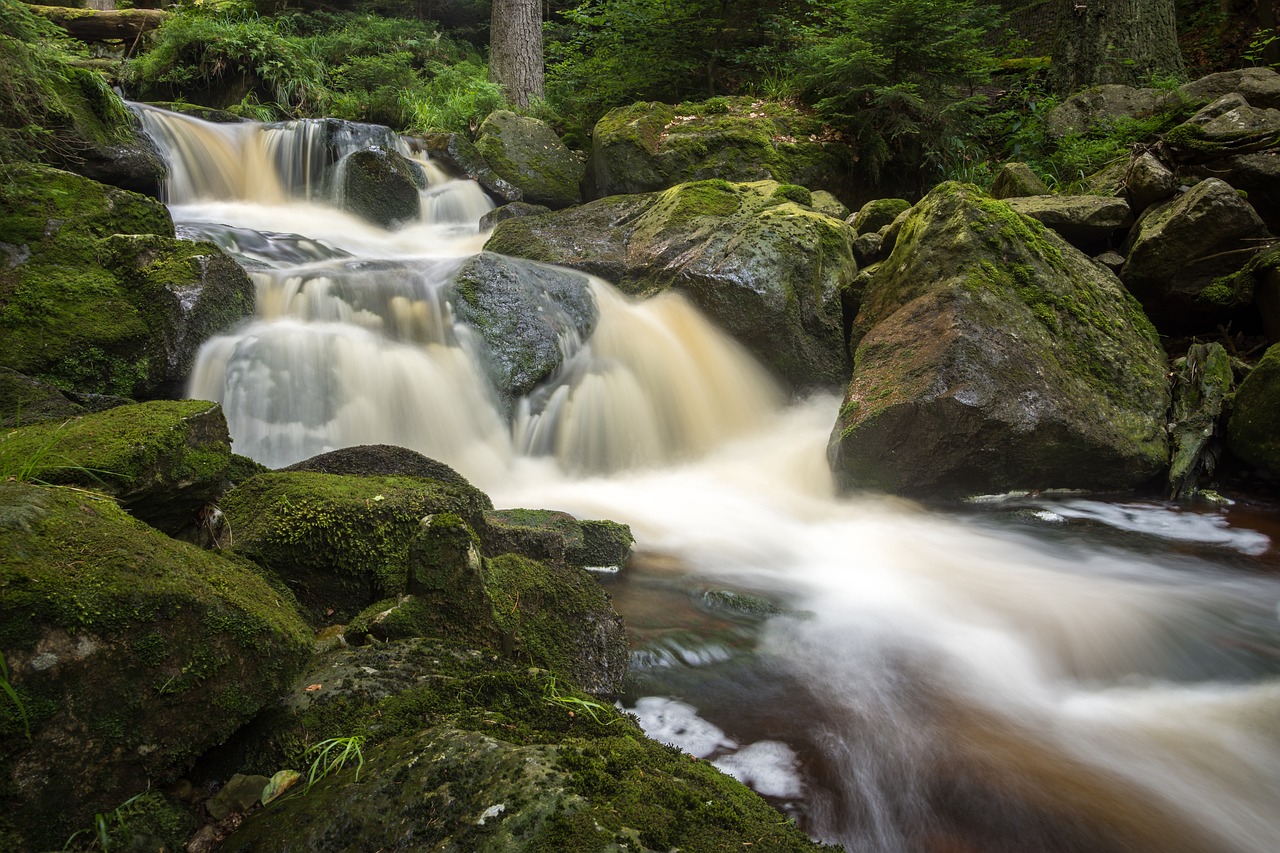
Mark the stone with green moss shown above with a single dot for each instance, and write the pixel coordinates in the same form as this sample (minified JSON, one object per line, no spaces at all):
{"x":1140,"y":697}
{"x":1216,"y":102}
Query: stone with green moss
{"x":25,"y":401}
{"x":526,"y":153}
{"x":825,"y":202}
{"x":1088,"y":222}
{"x":765,"y":269}
{"x":878,"y":213}
{"x":525,"y":314}
{"x":465,"y":752}
{"x":1015,"y":180}
{"x":646,"y":147}
{"x":1202,"y":383}
{"x":459,"y":155}
{"x":545,"y":534}
{"x":163,"y":460}
{"x":991,"y":356}
{"x":1180,"y":248}
{"x":96,"y":296}
{"x":132,"y":654}
{"x":1253,"y":431}
{"x":340,"y":542}
{"x":381,"y":186}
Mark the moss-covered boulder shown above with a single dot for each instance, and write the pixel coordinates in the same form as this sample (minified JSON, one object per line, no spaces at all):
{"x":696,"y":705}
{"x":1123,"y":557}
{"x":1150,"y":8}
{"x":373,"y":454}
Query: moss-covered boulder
{"x":1088,"y":222}
{"x":381,"y":186}
{"x":526,"y":153}
{"x":457,"y":154}
{"x":1015,"y":180}
{"x":1180,"y":248}
{"x":384,"y":460}
{"x":650,"y":146}
{"x":96,"y":295}
{"x":545,"y":534}
{"x":510,"y":211}
{"x":463,"y":752}
{"x":525,"y":313}
{"x":991,"y":355}
{"x":341,"y":543}
{"x":766,"y":269}
{"x":1202,"y":383}
{"x":877,"y":213}
{"x":163,"y":460}
{"x":131,"y":654}
{"x":25,"y":401}
{"x":1089,"y":108}
{"x":1253,"y":431}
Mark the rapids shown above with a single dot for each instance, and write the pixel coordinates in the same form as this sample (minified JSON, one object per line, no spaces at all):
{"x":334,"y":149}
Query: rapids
{"x":1026,"y":674}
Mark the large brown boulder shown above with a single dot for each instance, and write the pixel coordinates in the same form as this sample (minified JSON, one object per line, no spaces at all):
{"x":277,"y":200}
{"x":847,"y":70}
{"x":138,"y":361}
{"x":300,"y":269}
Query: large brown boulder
{"x":990,"y":356}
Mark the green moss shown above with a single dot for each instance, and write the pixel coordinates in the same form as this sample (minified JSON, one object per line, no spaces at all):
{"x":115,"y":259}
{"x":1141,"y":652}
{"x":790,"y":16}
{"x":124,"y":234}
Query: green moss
{"x":792,"y":192}
{"x":1253,"y":432}
{"x":639,"y":123}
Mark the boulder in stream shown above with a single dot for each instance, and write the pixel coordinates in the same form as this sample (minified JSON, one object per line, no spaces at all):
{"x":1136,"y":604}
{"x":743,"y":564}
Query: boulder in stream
{"x":1253,"y":431}
{"x":130,"y":653}
{"x":766,"y":269}
{"x":527,"y":154}
{"x":382,"y":186}
{"x":991,"y":356}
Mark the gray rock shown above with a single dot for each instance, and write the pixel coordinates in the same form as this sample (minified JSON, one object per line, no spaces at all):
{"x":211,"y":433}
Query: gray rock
{"x":1148,"y":181}
{"x":526,"y":153}
{"x":825,"y":202}
{"x":1082,"y":111}
{"x":1017,"y":179}
{"x":876,"y":214}
{"x":458,"y":154}
{"x":1255,"y":174}
{"x":867,"y":248}
{"x":380,"y":460}
{"x":1113,"y":261}
{"x":1211,"y":111}
{"x":765,"y":269}
{"x":1178,"y":248}
{"x":510,"y":211}
{"x":1202,"y":382}
{"x":381,"y":186}
{"x":1240,"y":120}
{"x":525,"y":313}
{"x":990,"y":356}
{"x":1259,"y":86}
{"x":240,"y":794}
{"x":1084,"y":221}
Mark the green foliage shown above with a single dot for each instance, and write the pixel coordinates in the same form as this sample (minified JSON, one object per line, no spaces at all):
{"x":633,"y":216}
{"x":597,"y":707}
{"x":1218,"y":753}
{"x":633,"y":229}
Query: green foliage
{"x":393,"y":71}
{"x":898,"y":78}
{"x":576,"y":704}
{"x":9,"y":691}
{"x":144,"y":821}
{"x":331,"y":755}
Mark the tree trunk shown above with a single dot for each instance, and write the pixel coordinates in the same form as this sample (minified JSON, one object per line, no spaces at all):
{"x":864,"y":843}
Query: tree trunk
{"x":515,"y":49}
{"x":90,"y":26}
{"x":1114,"y":41}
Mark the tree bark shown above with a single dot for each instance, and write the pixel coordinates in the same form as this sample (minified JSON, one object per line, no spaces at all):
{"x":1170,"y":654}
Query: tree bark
{"x":515,"y":49}
{"x":1114,"y":41}
{"x":92,"y":26}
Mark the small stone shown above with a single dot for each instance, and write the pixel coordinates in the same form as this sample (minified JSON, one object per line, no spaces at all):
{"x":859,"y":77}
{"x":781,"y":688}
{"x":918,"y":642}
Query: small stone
{"x":239,"y":794}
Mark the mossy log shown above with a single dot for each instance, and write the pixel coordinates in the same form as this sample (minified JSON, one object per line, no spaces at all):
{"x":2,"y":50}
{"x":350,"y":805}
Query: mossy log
{"x":90,"y":25}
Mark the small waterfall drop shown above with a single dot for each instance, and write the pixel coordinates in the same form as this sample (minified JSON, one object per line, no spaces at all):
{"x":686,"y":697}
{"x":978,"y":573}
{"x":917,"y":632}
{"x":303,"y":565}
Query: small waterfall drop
{"x":902,"y":680}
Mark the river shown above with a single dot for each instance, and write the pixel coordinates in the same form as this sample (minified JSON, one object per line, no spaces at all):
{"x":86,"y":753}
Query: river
{"x":1024,"y":673}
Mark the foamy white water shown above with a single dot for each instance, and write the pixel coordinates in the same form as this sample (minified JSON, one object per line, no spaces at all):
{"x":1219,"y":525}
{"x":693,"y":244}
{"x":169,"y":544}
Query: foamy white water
{"x":924,"y":682}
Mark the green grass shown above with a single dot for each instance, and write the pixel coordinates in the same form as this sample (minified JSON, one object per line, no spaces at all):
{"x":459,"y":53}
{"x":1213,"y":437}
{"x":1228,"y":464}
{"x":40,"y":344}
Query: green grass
{"x":331,"y":755}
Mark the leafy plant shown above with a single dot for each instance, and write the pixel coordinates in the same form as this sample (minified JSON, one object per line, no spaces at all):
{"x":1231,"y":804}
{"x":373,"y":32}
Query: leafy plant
{"x":108,"y":824}
{"x":9,"y":691}
{"x":331,"y":755}
{"x":553,"y":695}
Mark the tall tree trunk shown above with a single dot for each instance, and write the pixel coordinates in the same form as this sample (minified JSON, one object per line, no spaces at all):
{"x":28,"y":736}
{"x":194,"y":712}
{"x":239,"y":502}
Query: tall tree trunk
{"x":1114,"y":41}
{"x":515,"y":49}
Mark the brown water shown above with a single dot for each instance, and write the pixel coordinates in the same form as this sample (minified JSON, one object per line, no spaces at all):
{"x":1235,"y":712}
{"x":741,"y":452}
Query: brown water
{"x":1027,"y":674}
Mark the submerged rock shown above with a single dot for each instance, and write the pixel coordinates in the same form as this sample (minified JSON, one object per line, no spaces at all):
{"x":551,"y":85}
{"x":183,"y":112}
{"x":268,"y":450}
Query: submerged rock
{"x":528,"y":315}
{"x":990,"y":356}
{"x":163,"y":460}
{"x":650,"y":146}
{"x":526,"y":153}
{"x":766,"y":269}
{"x":131,"y":653}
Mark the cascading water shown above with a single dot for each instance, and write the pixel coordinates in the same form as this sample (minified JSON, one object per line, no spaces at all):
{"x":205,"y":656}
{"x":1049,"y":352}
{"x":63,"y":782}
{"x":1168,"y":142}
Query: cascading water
{"x":1029,"y":675}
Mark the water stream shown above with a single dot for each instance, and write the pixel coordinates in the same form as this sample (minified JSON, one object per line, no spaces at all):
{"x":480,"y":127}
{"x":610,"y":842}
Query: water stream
{"x":1030,"y":674}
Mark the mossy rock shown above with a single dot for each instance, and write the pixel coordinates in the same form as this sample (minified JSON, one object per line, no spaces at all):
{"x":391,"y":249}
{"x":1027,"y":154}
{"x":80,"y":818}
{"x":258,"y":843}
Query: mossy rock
{"x":96,"y":295}
{"x":132,"y":654}
{"x":163,"y":460}
{"x":452,"y":734}
{"x":1253,"y":431}
{"x":459,"y":155}
{"x":341,"y":543}
{"x":526,"y":153}
{"x":646,"y":147}
{"x":381,"y":186}
{"x":991,"y":356}
{"x":544,"y":534}
{"x":878,"y":213}
{"x":524,"y":313}
{"x":765,"y":269}
{"x":1015,"y":180}
{"x":384,"y":460}
{"x":1202,"y":383}
{"x":25,"y":401}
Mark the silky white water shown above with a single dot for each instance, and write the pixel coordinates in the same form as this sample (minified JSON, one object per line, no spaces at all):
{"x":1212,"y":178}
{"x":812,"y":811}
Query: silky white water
{"x":1042,"y":675}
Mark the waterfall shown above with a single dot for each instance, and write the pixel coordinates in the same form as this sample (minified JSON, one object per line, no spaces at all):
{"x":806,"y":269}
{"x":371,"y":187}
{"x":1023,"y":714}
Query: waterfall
{"x":1032,"y":674}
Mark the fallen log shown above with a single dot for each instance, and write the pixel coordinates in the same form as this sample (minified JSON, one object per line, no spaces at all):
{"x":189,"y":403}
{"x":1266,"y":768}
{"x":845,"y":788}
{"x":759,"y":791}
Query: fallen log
{"x":90,"y":25}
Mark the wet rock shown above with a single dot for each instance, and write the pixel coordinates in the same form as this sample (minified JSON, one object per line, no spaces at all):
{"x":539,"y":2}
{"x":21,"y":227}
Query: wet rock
{"x":876,"y":214}
{"x":647,"y":147}
{"x":1253,"y":431}
{"x":163,"y":460}
{"x":1202,"y":382}
{"x":380,"y":460}
{"x":381,"y":186}
{"x":340,"y":543}
{"x":1015,"y":180}
{"x":1085,"y":221}
{"x":767,"y":270}
{"x":526,"y":153}
{"x":1178,"y":249}
{"x":990,"y":356}
{"x":527,"y":314}
{"x":456,"y":152}
{"x":133,"y":654}
{"x":510,"y":211}
{"x":557,"y":536}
